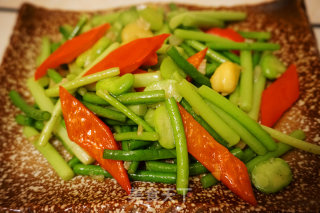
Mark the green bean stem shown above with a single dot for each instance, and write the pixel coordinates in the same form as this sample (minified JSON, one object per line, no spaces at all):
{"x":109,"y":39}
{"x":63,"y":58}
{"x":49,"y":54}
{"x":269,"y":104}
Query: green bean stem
{"x":79,"y":82}
{"x":213,"y":55}
{"x":55,"y":76}
{"x":115,"y":103}
{"x":246,"y":81}
{"x":259,"y":83}
{"x":231,"y":45}
{"x":253,"y":127}
{"x":201,"y":108}
{"x":158,"y":166}
{"x":144,"y":136}
{"x":139,"y":155}
{"x":181,"y":146}
{"x":30,"y":111}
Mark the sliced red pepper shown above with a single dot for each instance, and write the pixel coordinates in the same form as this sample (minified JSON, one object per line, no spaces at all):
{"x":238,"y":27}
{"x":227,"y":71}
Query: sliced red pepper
{"x":130,"y":56}
{"x":71,"y":49}
{"x":226,"y":33}
{"x":151,"y":60}
{"x":216,"y":158}
{"x":279,"y":96}
{"x":139,"y":71}
{"x":197,"y":58}
{"x":89,"y":132}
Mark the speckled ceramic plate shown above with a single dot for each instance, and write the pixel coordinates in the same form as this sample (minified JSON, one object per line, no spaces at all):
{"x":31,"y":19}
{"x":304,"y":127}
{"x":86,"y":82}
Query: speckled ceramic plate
{"x":27,"y":183}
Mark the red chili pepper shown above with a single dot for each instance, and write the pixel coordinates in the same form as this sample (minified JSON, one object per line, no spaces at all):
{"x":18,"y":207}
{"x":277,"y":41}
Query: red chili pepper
{"x":89,"y":132}
{"x":130,"y":56}
{"x":279,"y":96}
{"x":71,"y":49}
{"x":197,"y":58}
{"x":226,"y":33}
{"x":151,"y":60}
{"x":216,"y":158}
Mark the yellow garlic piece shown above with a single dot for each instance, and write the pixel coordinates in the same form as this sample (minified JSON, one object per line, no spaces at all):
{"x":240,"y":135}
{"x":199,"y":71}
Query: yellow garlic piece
{"x":225,"y":78}
{"x":135,"y":30}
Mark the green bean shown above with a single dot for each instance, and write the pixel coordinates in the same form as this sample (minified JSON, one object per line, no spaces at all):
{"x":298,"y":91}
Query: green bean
{"x":30,"y":111}
{"x":187,"y":49}
{"x":181,"y":146}
{"x":44,"y":51}
{"x":259,"y":83}
{"x":188,"y":68}
{"x":79,"y":82}
{"x":300,"y":144}
{"x":156,"y":177}
{"x":144,"y":136}
{"x":255,"y":35}
{"x":245,"y":135}
{"x":248,"y":154}
{"x":106,"y":112}
{"x":113,"y":122}
{"x":116,"y":85}
{"x":233,"y":57}
{"x":146,"y":97}
{"x":155,"y":146}
{"x":65,"y":31}
{"x":208,"y":181}
{"x":114,"y":102}
{"x":39,"y":125}
{"x":194,"y":20}
{"x":213,"y":55}
{"x":73,"y":161}
{"x":246,"y":81}
{"x":201,"y":108}
{"x":139,"y":155}
{"x":252,"y":126}
{"x":24,"y":120}
{"x":256,"y":58}
{"x":144,"y":79}
{"x":211,"y":68}
{"x":232,"y":45}
{"x":91,"y":170}
{"x":52,"y":156}
{"x":83,"y":19}
{"x":198,"y":36}
{"x":158,"y":166}
{"x":91,"y":97}
{"x":55,"y":76}
{"x":44,"y":81}
{"x":135,"y":144}
{"x":203,"y":123}
{"x":133,"y":167}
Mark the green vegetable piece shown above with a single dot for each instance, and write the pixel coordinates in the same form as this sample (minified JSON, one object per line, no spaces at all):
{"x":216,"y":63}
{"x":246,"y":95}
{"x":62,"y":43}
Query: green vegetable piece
{"x":169,"y":86}
{"x":149,"y":117}
{"x":154,"y":16}
{"x":39,"y":125}
{"x":55,"y":76}
{"x":208,"y":180}
{"x":45,"y":50}
{"x":104,"y":18}
{"x":163,"y":127}
{"x":139,"y":155}
{"x":133,"y":167}
{"x":116,"y":85}
{"x":30,"y":111}
{"x":65,"y":30}
{"x":91,"y":170}
{"x":73,"y":161}
{"x":187,"y":67}
{"x":145,"y":79}
{"x":128,"y":16}
{"x":156,"y":177}
{"x":252,"y":126}
{"x":246,"y":81}
{"x":76,"y":30}
{"x":255,"y":35}
{"x":271,"y":176}
{"x":135,"y":144}
{"x":232,"y":45}
{"x":24,"y":120}
{"x":271,"y":66}
{"x":144,"y":136}
{"x":138,"y":109}
{"x":168,"y":67}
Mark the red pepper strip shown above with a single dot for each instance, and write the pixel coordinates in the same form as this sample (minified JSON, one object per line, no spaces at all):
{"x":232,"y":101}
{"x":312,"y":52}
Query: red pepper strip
{"x":131,"y":55}
{"x":197,"y":58}
{"x":151,"y":60}
{"x":279,"y":96}
{"x":71,"y":49}
{"x":226,"y":33}
{"x":139,"y":71}
{"x":89,"y":132}
{"x":217,"y":159}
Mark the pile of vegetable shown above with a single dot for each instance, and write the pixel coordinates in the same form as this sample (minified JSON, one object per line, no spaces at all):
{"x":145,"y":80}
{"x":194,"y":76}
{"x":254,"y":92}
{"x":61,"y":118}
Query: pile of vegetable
{"x":161,"y":94}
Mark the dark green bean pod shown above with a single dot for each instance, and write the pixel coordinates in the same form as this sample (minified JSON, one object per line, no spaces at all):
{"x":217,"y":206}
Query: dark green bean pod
{"x":24,"y":120}
{"x":74,"y":161}
{"x":157,"y":177}
{"x":81,"y":169}
{"x":208,"y":180}
{"x":139,"y":155}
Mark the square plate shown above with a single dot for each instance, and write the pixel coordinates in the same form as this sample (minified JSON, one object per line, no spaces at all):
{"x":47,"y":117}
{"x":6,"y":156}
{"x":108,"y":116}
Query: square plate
{"x":27,"y":182}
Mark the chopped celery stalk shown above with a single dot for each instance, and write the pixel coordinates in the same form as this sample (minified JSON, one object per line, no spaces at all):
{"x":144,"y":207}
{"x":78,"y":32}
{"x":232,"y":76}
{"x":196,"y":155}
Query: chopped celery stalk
{"x":246,"y":81}
{"x":187,"y":91}
{"x":79,"y":82}
{"x":116,"y":85}
{"x":144,"y":79}
{"x":51,"y":155}
{"x":154,"y":16}
{"x":104,"y":18}
{"x":128,"y":16}
{"x":138,"y":109}
{"x":45,"y":50}
{"x":168,"y":85}
{"x":168,"y":67}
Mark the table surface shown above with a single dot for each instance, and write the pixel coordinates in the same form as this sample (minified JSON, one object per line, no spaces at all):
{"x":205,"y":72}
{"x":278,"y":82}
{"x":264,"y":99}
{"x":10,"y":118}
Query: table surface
{"x":9,"y":11}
